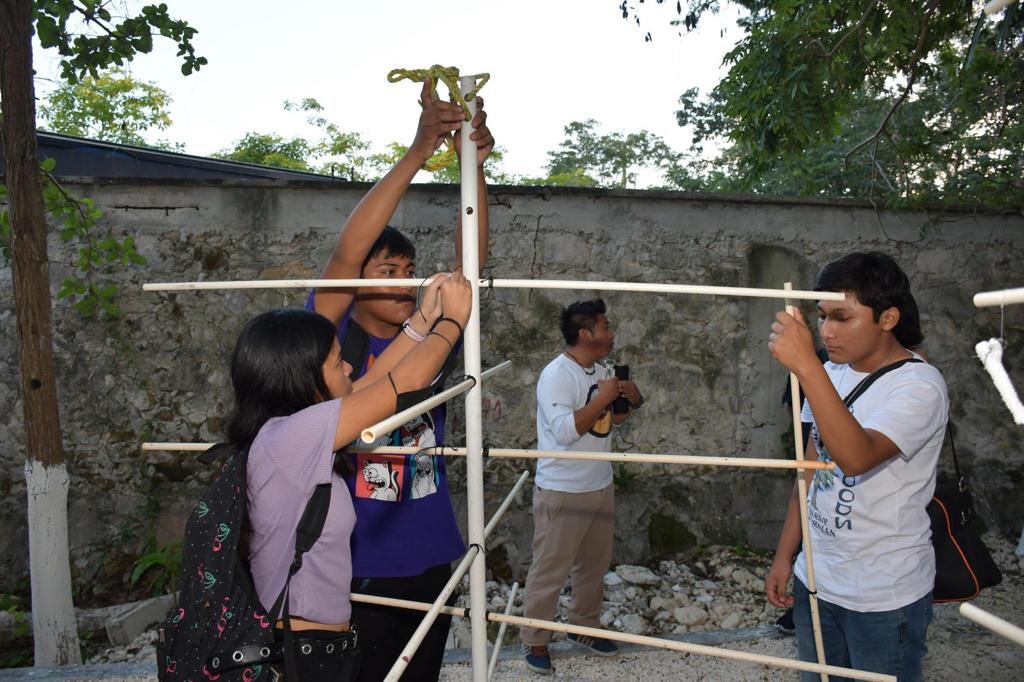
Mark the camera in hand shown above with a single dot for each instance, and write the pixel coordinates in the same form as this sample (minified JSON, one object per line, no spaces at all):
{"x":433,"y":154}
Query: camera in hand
{"x":621,"y":405}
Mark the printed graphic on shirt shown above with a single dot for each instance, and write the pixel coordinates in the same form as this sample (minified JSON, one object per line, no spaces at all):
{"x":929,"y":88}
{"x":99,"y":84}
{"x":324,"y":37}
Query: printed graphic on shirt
{"x":379,"y":477}
{"x":418,"y":433}
{"x":425,"y":476}
{"x":839,"y":518}
{"x":603,"y":426}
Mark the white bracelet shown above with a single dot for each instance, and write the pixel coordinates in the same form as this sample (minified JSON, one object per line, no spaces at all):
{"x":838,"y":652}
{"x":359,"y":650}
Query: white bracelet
{"x":411,"y":332}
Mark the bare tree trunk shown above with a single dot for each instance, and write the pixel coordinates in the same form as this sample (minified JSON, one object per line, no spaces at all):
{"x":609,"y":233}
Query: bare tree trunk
{"x":53,"y":617}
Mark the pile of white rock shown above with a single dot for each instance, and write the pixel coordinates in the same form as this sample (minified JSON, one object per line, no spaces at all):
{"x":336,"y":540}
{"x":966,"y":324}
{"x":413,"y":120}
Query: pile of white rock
{"x":722,"y":589}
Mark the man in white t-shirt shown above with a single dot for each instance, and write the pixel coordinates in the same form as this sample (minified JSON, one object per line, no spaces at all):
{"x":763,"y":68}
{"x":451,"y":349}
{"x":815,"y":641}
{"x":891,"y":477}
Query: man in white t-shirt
{"x":870,"y":536}
{"x":574,"y":501}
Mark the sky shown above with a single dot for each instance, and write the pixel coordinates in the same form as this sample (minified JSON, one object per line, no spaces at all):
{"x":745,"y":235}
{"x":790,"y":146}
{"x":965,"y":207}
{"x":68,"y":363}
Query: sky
{"x":551,"y":62}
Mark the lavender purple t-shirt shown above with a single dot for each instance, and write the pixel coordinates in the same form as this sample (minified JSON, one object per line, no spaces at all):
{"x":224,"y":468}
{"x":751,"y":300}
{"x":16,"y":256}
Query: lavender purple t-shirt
{"x":288,"y":459}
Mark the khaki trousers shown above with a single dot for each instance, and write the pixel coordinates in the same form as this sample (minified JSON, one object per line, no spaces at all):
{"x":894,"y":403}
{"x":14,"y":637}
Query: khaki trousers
{"x":572,"y":537}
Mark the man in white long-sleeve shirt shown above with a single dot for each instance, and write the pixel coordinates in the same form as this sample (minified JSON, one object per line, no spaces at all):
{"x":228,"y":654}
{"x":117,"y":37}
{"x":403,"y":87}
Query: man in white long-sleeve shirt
{"x":574,"y":500}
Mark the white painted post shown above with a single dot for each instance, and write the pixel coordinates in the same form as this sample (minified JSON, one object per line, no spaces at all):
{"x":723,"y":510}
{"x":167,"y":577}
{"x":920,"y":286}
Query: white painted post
{"x":474,"y":398}
{"x":53,"y":614}
{"x":798,"y":442}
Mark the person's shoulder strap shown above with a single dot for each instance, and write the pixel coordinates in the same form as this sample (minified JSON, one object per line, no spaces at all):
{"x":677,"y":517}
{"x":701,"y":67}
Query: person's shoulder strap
{"x":355,"y":348}
{"x":866,"y":382}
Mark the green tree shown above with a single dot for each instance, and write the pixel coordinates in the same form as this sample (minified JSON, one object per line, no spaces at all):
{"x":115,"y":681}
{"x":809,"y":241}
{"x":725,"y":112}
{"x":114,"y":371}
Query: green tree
{"x":331,"y":151}
{"x":112,"y":106}
{"x":611,"y":159}
{"x":269,"y":149}
{"x":925,"y":98}
{"x":88,"y":40}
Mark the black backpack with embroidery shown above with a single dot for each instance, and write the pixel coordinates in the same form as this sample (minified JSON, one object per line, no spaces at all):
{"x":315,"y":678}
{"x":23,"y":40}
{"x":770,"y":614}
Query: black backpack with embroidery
{"x":219,"y":630}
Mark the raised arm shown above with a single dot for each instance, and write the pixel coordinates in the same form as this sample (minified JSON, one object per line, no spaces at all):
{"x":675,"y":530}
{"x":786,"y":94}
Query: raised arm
{"x":420,"y":324}
{"x":437,"y":120}
{"x":485,"y":145}
{"x":855,"y":449}
{"x":416,"y":369}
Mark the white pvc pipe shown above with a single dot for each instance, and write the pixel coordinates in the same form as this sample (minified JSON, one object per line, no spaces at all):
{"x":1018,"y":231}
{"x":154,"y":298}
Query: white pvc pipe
{"x":586,"y":285}
{"x":801,"y":477}
{"x":996,"y":6}
{"x":388,"y":425}
{"x":181,"y":447}
{"x":470,"y":211}
{"x":439,"y":604}
{"x":514,"y":453}
{"x":699,"y":289}
{"x":993,"y":623}
{"x":402,"y":662}
{"x":642,"y":640}
{"x":500,"y":638}
{"x":623,"y":457}
{"x":991,"y":355}
{"x":1001,"y":297}
{"x":505,"y":504}
{"x":282,"y":284}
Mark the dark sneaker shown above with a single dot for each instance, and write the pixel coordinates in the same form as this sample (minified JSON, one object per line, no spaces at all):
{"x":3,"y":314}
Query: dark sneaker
{"x":539,"y":660}
{"x":785,"y":623}
{"x":601,"y":647}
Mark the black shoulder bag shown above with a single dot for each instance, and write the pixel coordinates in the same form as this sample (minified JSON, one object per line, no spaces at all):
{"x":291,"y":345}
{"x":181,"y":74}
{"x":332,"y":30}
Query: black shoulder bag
{"x":963,"y":565}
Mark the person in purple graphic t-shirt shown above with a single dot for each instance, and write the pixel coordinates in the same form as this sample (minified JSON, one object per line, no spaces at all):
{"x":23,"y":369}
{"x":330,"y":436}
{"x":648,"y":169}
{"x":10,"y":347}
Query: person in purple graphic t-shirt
{"x":295,"y":406}
{"x":406,"y":535}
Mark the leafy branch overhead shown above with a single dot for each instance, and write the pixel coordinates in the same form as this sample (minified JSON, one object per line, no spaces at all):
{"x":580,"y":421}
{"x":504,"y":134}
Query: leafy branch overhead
{"x":933,"y":89}
{"x":106,"y":40}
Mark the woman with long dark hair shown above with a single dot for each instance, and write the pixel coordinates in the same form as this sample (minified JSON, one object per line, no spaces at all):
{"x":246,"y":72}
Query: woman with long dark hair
{"x":295,"y":408}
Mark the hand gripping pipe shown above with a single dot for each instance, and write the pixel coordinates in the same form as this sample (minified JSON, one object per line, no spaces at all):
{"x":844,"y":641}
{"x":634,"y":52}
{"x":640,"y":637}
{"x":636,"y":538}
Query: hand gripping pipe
{"x":801,"y":478}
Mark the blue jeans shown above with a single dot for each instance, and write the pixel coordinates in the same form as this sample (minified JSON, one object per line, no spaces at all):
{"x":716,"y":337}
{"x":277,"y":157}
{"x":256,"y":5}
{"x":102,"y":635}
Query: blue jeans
{"x":889,"y":642}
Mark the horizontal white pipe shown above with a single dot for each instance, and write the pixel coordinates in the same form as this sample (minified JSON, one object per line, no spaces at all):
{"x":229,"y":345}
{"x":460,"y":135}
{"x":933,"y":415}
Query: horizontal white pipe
{"x":179,"y":447}
{"x":585,"y":285}
{"x":642,"y":640}
{"x":1001,"y":297}
{"x":500,"y":638}
{"x":625,"y":457}
{"x":993,"y":623}
{"x":281,"y":284}
{"x":698,"y":289}
{"x":996,"y":6}
{"x":393,"y":422}
{"x":505,"y":503}
{"x":512,"y":453}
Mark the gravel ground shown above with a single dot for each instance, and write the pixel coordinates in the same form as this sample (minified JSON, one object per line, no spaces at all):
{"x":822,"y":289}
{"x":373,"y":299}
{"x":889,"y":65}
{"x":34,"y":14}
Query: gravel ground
{"x":958,"y":650}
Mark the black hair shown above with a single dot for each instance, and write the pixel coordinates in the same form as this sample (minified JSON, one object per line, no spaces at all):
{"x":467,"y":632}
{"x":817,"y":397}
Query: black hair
{"x":879,"y":283}
{"x":580,"y":315}
{"x":277,"y":368}
{"x":391,"y":242}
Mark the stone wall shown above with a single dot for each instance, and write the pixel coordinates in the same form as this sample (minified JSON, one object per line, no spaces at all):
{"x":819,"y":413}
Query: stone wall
{"x":159,"y":372}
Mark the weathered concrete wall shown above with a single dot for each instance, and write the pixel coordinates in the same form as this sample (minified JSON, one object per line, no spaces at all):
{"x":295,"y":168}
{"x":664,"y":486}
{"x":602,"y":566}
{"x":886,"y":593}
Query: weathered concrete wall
{"x":159,"y":372}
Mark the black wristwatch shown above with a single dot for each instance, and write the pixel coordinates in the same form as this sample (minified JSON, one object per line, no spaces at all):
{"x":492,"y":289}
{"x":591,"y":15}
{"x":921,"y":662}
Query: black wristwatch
{"x":637,"y":405}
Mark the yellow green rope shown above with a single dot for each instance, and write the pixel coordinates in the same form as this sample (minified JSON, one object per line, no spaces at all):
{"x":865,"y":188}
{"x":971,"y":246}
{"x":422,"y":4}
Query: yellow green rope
{"x":449,"y":75}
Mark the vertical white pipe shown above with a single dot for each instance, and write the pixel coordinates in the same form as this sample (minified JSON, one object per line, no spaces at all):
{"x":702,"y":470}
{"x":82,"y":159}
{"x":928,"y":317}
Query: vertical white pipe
{"x":801,"y":477}
{"x":474,"y":403}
